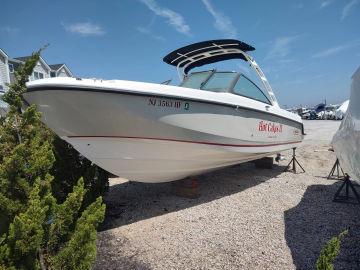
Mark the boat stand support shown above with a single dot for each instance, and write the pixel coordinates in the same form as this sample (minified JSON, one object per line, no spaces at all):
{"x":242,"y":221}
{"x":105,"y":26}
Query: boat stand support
{"x":294,"y":161}
{"x":347,"y":184}
{"x":338,"y":168}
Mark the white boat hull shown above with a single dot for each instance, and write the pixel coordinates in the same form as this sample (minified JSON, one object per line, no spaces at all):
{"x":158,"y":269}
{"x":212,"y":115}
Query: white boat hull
{"x":148,"y":160}
{"x":147,"y":138}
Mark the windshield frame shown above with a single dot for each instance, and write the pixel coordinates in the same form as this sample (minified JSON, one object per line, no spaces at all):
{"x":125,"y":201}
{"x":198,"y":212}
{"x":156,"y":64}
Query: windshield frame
{"x":230,"y":88}
{"x":239,"y":78}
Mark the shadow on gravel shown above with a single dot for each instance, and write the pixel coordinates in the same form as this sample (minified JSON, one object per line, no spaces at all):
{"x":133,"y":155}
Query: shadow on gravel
{"x":110,"y":255}
{"x":316,"y":219}
{"x":131,"y":201}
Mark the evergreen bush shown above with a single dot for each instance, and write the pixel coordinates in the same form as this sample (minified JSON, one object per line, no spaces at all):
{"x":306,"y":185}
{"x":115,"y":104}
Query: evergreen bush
{"x":36,"y":230}
{"x":329,"y":253}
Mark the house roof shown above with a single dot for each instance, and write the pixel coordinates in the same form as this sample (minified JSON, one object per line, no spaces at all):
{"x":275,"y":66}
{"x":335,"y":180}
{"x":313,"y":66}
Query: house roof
{"x":56,"y":66}
{"x":13,"y":60}
{"x":24,"y":58}
{"x":3,"y":53}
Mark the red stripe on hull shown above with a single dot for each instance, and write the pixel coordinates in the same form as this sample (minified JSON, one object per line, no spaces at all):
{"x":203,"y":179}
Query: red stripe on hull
{"x":174,"y":140}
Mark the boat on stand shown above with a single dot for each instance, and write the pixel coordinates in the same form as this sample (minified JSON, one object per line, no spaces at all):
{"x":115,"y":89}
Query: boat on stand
{"x":149,"y":132}
{"x":346,"y":141}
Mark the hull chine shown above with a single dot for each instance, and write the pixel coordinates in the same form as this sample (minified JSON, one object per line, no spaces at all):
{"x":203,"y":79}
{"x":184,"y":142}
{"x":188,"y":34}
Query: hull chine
{"x":154,"y":161}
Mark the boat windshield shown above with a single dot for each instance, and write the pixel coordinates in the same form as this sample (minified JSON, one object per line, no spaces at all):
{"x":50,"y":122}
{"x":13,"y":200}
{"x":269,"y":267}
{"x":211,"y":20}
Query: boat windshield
{"x":228,"y":82}
{"x":211,"y":81}
{"x":196,"y":80}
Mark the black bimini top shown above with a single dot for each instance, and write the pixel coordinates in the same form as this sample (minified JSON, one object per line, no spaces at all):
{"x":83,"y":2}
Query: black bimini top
{"x":207,"y":52}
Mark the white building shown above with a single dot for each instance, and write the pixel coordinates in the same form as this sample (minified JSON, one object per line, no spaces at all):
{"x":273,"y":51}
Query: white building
{"x":42,"y":70}
{"x":4,"y":70}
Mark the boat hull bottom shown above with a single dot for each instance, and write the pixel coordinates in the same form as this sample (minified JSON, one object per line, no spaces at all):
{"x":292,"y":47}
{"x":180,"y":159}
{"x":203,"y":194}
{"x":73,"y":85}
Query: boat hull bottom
{"x":156,"y":161}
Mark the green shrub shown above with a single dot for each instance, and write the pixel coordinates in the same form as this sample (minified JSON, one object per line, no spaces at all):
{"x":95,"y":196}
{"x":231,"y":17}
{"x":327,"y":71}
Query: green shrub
{"x":329,"y":253}
{"x":36,"y":230}
{"x":69,"y":166}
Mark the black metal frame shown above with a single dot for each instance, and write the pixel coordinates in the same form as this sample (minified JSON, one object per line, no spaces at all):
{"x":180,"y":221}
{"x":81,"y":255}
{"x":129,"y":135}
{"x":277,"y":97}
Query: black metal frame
{"x":212,"y":47}
{"x":294,"y":161}
{"x":347,"y":198}
{"x":338,"y":168}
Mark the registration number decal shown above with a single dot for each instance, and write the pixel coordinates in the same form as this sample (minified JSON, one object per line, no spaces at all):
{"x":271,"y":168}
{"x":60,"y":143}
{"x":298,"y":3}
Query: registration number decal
{"x":168,"y":103}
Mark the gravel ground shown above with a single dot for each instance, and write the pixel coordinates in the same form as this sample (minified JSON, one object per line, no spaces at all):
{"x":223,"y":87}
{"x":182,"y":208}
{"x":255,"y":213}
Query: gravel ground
{"x":246,"y":218}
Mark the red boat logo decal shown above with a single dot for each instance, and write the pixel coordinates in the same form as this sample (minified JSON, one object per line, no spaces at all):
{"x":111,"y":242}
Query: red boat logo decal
{"x":270,"y":127}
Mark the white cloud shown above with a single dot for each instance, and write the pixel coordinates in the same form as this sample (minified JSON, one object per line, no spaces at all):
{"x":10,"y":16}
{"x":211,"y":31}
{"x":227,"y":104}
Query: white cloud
{"x":222,"y":22}
{"x":330,"y":51}
{"x":173,"y":18}
{"x":281,"y":47}
{"x":84,"y":28}
{"x":299,"y":6}
{"x":335,"y":50}
{"x":9,"y":29}
{"x":289,"y":83}
{"x":148,"y":32}
{"x":348,"y":8}
{"x":319,"y":76}
{"x":286,"y":61}
{"x":258,"y":22}
{"x":299,"y":81}
{"x":325,"y":3}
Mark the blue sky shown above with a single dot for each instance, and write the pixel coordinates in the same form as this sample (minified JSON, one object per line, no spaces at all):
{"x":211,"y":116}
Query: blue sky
{"x":307,"y":49}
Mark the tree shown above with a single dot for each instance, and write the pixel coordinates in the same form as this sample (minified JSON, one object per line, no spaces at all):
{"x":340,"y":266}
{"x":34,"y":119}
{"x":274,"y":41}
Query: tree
{"x":25,"y":149}
{"x":79,"y":252}
{"x":69,"y":166}
{"x":36,"y":231}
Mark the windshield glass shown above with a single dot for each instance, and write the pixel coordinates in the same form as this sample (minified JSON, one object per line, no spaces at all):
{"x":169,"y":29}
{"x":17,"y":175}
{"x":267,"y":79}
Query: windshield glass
{"x":195,"y":80}
{"x":210,"y":81}
{"x":245,"y":87}
{"x":220,"y":81}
